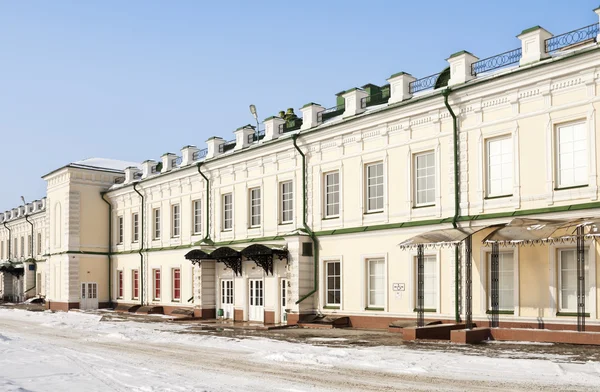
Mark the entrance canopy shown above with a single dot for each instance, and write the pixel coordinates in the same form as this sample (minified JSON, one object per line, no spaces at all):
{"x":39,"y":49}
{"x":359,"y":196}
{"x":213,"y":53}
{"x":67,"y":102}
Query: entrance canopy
{"x":263,"y":255}
{"x":197,"y":255}
{"x":12,"y":268}
{"x":442,"y":237}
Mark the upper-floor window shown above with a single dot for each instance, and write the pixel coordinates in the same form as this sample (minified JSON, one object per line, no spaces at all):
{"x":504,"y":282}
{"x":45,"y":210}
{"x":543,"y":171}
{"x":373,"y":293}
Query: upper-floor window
{"x":499,"y":167}
{"x":255,"y":207}
{"x":287,"y":202}
{"x":227,"y":211}
{"x":15,"y":251}
{"x":1,"y":250}
{"x":135,"y":227}
{"x":156,"y":216}
{"x":424,"y":177}
{"x":197,"y":208}
{"x":571,"y":151}
{"x":175,"y":220}
{"x":39,"y":243}
{"x":22,"y":246}
{"x":120,"y":233}
{"x":332,"y":194}
{"x":29,"y":245}
{"x":374,"y":175}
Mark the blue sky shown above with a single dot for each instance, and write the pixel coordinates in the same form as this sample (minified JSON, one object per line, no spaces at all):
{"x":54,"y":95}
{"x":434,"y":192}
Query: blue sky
{"x":132,"y":80}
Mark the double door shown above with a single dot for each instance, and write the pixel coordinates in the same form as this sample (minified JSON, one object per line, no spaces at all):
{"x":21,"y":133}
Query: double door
{"x":89,"y":295}
{"x":256,"y":308}
{"x":227,"y":298}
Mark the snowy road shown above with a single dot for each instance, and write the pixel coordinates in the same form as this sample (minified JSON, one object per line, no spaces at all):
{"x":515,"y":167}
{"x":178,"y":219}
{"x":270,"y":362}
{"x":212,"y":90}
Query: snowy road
{"x":43,"y":351}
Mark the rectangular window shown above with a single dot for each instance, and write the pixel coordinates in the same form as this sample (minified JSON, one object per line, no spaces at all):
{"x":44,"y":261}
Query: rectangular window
{"x":334,"y":284}
{"x":499,"y":167}
{"x":1,"y":250}
{"x":287,"y":202}
{"x":376,"y":283}
{"x":197,"y":207}
{"x":332,"y":194}
{"x":29,"y":245}
{"x":374,"y":187}
{"x":135,"y":230}
{"x":156,"y":278}
{"x":255,"y":207}
{"x":120,"y":239}
{"x":120,"y":283}
{"x":176,"y":284}
{"x":424,"y":177}
{"x":135,"y":284}
{"x":175,"y":220}
{"x":156,"y":215}
{"x":15,"y":250}
{"x":39,"y":243}
{"x":226,"y":292}
{"x":227,"y":211}
{"x":568,"y":280}
{"x":22,"y":246}
{"x":571,"y":143}
{"x":429,"y":281}
{"x":506,"y":287}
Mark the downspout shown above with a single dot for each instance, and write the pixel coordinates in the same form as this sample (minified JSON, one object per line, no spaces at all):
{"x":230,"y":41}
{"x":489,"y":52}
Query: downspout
{"x":109,"y":254}
{"x":446,"y":94}
{"x":141,"y":274}
{"x":32,"y":257}
{"x":9,"y":240}
{"x":311,"y":234}
{"x":206,"y":238}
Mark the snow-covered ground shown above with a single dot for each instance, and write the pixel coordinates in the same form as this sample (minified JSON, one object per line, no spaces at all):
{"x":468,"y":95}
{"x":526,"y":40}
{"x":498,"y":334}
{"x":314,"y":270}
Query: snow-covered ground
{"x":75,"y":351}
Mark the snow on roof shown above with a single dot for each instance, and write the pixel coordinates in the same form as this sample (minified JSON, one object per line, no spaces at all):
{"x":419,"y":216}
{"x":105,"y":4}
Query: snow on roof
{"x":103,"y":163}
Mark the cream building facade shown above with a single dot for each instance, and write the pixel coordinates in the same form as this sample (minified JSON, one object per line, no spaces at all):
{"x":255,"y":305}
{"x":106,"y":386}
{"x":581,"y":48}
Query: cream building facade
{"x":307,"y":216}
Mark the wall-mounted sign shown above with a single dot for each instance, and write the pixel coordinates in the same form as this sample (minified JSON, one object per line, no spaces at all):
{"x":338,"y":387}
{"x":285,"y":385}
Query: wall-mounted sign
{"x":398,"y":286}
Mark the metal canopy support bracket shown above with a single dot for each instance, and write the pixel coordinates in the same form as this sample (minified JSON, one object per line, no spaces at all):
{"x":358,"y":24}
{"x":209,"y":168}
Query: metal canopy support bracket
{"x":468,"y":283}
{"x":234,"y":263}
{"x":420,"y":286}
{"x":495,"y":278}
{"x":580,"y":279}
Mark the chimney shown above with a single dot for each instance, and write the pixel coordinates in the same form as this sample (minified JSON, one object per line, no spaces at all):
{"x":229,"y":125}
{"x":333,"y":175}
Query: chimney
{"x":533,"y":44}
{"x":353,"y":98}
{"x":147,"y":168}
{"x":309,"y":115}
{"x":244,"y":136}
{"x":168,"y":161}
{"x":400,"y":87}
{"x":272,"y":125}
{"x":43,"y":203}
{"x":214,"y":144}
{"x":187,"y":155}
{"x":130,"y":174}
{"x":460,"y":67}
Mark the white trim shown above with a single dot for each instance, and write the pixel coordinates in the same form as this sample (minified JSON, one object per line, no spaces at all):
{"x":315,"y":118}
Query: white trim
{"x":365,"y":276}
{"x":483,"y":278}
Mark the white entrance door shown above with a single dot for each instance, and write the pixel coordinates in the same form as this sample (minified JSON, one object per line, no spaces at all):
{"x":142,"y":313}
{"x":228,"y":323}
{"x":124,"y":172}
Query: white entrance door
{"x":283,"y":296}
{"x":256,"y":310}
{"x":227,"y":298}
{"x":89,"y":295}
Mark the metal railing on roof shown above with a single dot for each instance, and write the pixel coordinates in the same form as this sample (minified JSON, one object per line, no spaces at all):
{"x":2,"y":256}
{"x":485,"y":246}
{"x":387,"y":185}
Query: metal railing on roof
{"x":326,"y":114}
{"x":497,"y":61}
{"x":199,"y":154}
{"x":381,"y":97}
{"x":227,"y":146}
{"x":423,"y":84}
{"x":290,"y":125}
{"x":176,"y":162}
{"x":253,"y":137}
{"x":572,"y":37}
{"x":119,"y":180}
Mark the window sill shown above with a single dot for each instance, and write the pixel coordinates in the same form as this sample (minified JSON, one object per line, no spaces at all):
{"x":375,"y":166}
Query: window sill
{"x":509,"y":312}
{"x":286,"y":223}
{"x":375,"y":309}
{"x":176,"y":300}
{"x":331,"y":217}
{"x":253,"y":227}
{"x":569,"y":314}
{"x":227,"y":231}
{"x":423,"y":206}
{"x":373,"y":212}
{"x":426,"y":310}
{"x":134,"y":242}
{"x":570,"y":187}
{"x":331,"y":307}
{"x":497,"y":197}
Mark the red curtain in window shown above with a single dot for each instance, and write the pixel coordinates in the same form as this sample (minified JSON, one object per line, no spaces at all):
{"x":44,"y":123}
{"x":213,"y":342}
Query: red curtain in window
{"x":177,"y":283}
{"x":156,"y":284}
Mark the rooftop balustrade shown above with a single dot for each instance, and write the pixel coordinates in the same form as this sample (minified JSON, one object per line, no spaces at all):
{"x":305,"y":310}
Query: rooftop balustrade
{"x":497,"y":61}
{"x":200,"y":154}
{"x":331,"y":112}
{"x":558,"y":42}
{"x":423,"y":83}
{"x":376,"y":99}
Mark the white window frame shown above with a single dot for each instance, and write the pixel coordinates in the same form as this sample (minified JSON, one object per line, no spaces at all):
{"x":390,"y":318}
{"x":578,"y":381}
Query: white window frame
{"x":327,"y":288}
{"x":415,"y":179}
{"x":484,"y":257}
{"x":559,"y":182}
{"x":173,"y":299}
{"x":327,"y":191}
{"x":368,"y":187}
{"x":559,"y":252}
{"x":227,"y":221}
{"x":135,"y":227}
{"x":161,"y":286}
{"x":369,"y":304}
{"x":509,"y":175}
{"x":489,"y":281}
{"x":255,"y":201}
{"x":120,"y":284}
{"x":197,"y":216}
{"x":175,"y":220}
{"x":133,"y":279}
{"x":286,"y":198}
{"x":120,"y":232}
{"x":435,"y":307}
{"x":39,"y":242}
{"x":156,"y":232}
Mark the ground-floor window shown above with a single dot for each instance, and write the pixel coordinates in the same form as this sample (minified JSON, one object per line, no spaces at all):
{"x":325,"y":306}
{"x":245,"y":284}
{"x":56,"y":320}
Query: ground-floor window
{"x":333,"y":283}
{"x":376,"y":283}
{"x":176,"y":284}
{"x":226,"y":292}
{"x":506,"y":280}
{"x":156,"y":278}
{"x":567,"y":280}
{"x":429,"y":282}
{"x":120,"y":283}
{"x":135,"y":284}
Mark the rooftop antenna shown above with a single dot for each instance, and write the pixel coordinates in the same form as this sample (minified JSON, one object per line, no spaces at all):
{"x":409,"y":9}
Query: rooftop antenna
{"x":253,"y":112}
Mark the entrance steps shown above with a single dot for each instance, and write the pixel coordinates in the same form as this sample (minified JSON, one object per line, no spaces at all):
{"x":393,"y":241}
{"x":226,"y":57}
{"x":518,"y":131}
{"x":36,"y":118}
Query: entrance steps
{"x":325,"y":322}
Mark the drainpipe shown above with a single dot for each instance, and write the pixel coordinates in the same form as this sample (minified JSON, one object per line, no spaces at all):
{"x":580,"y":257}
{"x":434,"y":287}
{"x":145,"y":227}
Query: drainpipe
{"x":32,"y":257}
{"x":446,"y":94}
{"x":206,"y":238}
{"x":142,"y":275}
{"x":9,"y":240}
{"x":109,"y":248}
{"x":311,"y":234}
